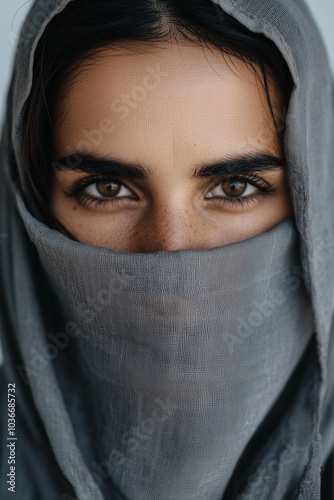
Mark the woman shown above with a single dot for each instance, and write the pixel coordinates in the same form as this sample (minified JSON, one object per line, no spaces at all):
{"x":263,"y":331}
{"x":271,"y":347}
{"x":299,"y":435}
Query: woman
{"x":166,"y":279}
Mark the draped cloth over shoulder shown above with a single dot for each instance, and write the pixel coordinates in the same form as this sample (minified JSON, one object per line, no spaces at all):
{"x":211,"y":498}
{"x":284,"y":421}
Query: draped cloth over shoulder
{"x":174,"y":375}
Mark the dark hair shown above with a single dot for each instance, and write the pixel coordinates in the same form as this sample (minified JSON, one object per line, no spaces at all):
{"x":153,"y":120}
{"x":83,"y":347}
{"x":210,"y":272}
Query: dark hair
{"x":85,"y":26}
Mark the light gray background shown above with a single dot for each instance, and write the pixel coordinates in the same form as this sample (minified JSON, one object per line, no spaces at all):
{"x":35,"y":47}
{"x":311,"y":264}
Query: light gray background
{"x":12,"y":14}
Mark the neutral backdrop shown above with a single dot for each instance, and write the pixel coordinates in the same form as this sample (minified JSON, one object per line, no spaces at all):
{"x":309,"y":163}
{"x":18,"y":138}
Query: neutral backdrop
{"x":13,"y":13}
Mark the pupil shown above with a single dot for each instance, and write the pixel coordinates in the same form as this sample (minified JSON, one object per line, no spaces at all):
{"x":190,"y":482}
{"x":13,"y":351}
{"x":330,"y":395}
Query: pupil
{"x":234,"y":188}
{"x":108,"y":188}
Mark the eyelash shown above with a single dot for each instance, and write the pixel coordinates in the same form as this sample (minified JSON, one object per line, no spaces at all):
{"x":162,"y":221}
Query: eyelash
{"x":76,"y":189}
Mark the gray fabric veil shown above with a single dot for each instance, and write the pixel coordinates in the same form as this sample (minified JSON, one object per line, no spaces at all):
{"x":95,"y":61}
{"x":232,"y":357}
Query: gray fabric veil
{"x":193,"y":374}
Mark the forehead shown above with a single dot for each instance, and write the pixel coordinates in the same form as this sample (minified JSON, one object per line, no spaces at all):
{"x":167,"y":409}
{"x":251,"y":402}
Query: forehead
{"x":171,"y":96}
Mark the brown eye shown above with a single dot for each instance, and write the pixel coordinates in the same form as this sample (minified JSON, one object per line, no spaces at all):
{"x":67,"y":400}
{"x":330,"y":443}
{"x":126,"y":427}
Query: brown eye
{"x":234,"y":187}
{"x":108,"y":188}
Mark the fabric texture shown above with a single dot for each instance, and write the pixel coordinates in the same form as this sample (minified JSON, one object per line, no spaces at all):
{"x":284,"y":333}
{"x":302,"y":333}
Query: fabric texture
{"x":175,"y":375}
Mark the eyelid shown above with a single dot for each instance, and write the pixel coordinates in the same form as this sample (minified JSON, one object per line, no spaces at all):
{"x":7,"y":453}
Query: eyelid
{"x":94,"y":191}
{"x":79,"y":185}
{"x":83,"y":182}
{"x":93,"y":178}
{"x":249,"y":177}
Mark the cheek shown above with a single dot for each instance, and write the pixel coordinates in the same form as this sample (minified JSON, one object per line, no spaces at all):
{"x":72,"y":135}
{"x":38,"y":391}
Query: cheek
{"x":111,"y":230}
{"x":112,"y":235}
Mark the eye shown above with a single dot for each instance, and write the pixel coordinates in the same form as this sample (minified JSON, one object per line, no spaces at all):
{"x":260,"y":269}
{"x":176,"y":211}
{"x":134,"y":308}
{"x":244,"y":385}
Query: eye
{"x":232,"y":188}
{"x":109,"y":189}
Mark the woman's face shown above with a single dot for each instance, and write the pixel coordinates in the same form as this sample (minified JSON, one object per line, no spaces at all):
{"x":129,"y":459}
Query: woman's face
{"x":157,"y":150}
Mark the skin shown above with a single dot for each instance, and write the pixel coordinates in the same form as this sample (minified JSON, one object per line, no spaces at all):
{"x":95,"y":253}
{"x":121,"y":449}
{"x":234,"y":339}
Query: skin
{"x":202,"y":108}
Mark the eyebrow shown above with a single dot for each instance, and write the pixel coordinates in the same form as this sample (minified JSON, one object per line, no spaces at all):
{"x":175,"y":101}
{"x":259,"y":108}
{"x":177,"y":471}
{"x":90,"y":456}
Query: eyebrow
{"x":91,"y":164}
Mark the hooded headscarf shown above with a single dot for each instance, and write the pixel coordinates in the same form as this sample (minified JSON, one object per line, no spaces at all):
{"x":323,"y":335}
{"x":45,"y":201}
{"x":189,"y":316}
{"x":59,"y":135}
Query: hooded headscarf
{"x":174,"y":375}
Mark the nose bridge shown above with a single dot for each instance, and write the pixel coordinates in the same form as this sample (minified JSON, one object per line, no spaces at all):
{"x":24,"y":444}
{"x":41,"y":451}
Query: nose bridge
{"x":168,"y":227}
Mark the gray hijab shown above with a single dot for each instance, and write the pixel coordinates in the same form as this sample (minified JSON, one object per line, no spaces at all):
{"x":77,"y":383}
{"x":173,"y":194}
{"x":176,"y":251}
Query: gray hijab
{"x":174,"y":375}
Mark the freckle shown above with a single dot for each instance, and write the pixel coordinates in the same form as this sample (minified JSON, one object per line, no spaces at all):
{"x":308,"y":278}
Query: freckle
{"x":74,"y":208}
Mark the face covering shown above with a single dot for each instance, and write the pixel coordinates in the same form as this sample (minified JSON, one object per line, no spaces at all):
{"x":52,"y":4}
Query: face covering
{"x":175,"y":375}
{"x":181,"y":355}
